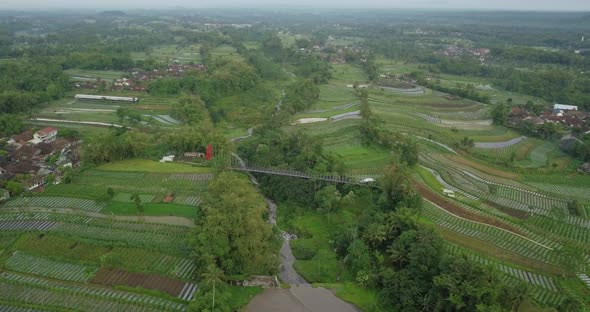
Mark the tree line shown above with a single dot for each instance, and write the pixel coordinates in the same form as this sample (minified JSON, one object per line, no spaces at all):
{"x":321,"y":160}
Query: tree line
{"x":23,"y":85}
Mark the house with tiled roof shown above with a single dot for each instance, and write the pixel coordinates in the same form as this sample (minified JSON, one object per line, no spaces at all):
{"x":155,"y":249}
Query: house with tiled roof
{"x":45,"y":135}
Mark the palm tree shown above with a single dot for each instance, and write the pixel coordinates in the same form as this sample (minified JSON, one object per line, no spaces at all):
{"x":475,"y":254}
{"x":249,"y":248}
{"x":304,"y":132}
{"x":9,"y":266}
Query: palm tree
{"x":135,"y":197}
{"x":212,"y":275}
{"x":519,"y":294}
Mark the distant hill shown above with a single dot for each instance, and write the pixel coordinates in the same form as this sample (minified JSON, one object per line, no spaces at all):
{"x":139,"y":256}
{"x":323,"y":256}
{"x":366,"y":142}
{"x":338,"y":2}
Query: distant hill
{"x":113,"y":13}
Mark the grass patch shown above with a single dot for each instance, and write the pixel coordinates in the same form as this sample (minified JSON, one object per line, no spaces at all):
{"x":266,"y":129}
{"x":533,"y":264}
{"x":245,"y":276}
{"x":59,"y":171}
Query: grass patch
{"x":129,"y":209}
{"x":241,"y":296}
{"x":144,"y":165}
{"x":349,"y":73}
{"x":483,"y":167}
{"x":316,"y":261}
{"x":74,"y":251}
{"x":363,"y":157}
{"x":540,"y":154}
{"x":428,"y":178}
{"x":364,"y":298}
{"x":576,"y":286}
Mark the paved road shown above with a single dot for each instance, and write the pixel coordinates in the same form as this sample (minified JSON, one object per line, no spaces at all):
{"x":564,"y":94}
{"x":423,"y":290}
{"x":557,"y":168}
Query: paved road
{"x":320,"y":300}
{"x":240,"y":138}
{"x":272,"y":300}
{"x":438,"y":143}
{"x":301,"y":297}
{"x":288,"y":274}
{"x":500,"y":144}
{"x":413,"y":91}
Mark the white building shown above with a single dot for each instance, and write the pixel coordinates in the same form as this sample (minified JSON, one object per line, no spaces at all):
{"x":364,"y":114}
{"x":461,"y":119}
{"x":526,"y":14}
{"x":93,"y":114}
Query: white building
{"x":45,"y":135}
{"x":564,"y":107}
{"x":169,"y":158}
{"x":81,"y":97}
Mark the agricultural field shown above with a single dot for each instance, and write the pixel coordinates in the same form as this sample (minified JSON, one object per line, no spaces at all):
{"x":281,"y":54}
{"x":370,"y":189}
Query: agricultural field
{"x":170,"y":53}
{"x":225,"y":51}
{"x":151,"y":180}
{"x":351,"y":101}
{"x":83,"y":74}
{"x":522,"y":218}
{"x":44,"y":261}
{"x":71,"y":113}
{"x":345,"y":41}
{"x":288,"y":39}
{"x":73,"y":239}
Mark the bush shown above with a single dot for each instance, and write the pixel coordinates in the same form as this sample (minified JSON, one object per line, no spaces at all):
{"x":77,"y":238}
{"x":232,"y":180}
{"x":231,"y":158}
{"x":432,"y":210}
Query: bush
{"x":304,"y":253}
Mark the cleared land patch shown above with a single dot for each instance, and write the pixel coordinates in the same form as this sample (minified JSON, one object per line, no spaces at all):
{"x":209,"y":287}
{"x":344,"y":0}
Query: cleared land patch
{"x":114,"y":277}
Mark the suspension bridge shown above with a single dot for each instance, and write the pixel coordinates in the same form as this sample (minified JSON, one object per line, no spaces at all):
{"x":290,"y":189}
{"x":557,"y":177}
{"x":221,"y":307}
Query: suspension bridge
{"x":238,"y":164}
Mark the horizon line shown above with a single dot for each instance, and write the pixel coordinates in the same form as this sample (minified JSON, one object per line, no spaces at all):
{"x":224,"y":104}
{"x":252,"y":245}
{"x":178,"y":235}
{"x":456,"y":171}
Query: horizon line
{"x":262,"y":7}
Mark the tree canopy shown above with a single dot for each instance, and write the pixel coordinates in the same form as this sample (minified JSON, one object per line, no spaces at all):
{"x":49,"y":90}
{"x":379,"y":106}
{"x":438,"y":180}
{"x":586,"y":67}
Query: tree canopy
{"x":231,"y":232}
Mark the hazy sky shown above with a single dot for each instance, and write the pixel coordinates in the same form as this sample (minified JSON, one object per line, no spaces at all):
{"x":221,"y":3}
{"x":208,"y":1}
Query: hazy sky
{"x":533,"y":5}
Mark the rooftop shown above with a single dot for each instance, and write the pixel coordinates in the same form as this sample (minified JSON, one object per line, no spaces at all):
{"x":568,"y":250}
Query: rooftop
{"x":566,"y":107}
{"x":23,"y":136}
{"x":46,"y":131}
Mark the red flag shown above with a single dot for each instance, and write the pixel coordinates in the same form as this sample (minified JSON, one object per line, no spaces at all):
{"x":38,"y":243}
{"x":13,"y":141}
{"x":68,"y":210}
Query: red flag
{"x":209,"y":152}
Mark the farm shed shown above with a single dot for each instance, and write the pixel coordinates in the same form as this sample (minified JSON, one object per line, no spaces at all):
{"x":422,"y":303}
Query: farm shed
{"x":86,"y":97}
{"x":564,"y":107}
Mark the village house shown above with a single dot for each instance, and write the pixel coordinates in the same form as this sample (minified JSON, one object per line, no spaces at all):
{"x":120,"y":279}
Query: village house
{"x":22,"y":167}
{"x":34,"y":183}
{"x":566,"y":115}
{"x":30,"y":159}
{"x":45,"y":135}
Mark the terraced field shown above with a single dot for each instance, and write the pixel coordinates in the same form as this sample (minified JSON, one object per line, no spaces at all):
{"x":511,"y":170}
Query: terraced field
{"x":501,"y":238}
{"x":51,"y":259}
{"x":21,"y":262}
{"x":56,"y":202}
{"x":93,"y":184}
{"x":519,"y":224}
{"x":543,"y":288}
{"x":169,"y":53}
{"x":18,"y":289}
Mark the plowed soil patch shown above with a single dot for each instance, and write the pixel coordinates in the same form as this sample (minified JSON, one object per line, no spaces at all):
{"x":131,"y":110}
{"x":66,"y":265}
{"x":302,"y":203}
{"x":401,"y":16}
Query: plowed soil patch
{"x":519,"y":214}
{"x":484,"y":168}
{"x":463,"y":213}
{"x":113,"y":277}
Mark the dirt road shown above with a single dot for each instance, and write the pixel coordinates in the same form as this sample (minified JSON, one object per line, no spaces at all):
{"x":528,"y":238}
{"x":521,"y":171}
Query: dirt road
{"x":301,"y":297}
{"x":500,"y":144}
{"x":288,"y":274}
